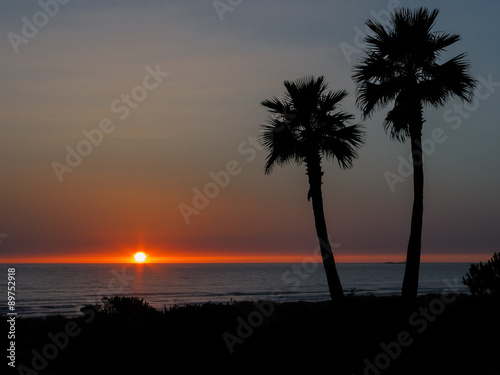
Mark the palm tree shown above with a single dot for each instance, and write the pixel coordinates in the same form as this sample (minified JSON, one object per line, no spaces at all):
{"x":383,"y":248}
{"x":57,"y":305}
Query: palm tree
{"x":302,"y":128}
{"x":401,"y":67}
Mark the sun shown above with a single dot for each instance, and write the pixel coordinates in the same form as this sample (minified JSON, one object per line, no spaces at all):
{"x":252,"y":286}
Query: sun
{"x":140,"y":257}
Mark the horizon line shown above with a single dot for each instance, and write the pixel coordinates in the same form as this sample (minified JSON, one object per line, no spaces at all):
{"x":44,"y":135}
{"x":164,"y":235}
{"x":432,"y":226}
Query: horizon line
{"x":319,"y":262}
{"x":154,"y":257}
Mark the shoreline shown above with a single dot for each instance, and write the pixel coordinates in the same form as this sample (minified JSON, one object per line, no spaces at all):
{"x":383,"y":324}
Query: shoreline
{"x":233,"y":301}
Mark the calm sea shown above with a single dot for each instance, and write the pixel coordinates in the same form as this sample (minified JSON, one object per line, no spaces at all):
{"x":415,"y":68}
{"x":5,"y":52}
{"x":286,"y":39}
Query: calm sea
{"x":43,"y":289}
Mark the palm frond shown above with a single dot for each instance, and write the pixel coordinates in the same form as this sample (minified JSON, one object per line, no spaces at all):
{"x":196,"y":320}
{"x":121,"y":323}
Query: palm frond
{"x":396,"y":123}
{"x":343,"y":144}
{"x":450,"y":79}
{"x":442,"y":40}
{"x":274,"y":105}
{"x":282,"y":144}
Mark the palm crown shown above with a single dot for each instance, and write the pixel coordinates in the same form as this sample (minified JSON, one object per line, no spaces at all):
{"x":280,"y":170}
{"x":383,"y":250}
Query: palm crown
{"x":307,"y":124}
{"x":402,"y":66}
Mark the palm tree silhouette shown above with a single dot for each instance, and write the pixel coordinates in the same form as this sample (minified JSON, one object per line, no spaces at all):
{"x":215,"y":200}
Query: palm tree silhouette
{"x":302,"y":128}
{"x":401,"y":66}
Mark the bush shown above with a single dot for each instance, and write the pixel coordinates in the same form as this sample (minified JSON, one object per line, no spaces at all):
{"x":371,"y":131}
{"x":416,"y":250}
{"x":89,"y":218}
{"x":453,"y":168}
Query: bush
{"x":123,"y":306}
{"x":484,"y":279}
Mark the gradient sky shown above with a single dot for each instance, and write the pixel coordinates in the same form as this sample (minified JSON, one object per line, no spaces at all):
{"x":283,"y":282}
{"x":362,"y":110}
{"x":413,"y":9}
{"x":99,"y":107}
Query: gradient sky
{"x":125,"y":195}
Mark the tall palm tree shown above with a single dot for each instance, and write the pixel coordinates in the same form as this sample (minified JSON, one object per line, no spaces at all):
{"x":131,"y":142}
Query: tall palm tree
{"x":302,"y":128}
{"x":402,"y":67}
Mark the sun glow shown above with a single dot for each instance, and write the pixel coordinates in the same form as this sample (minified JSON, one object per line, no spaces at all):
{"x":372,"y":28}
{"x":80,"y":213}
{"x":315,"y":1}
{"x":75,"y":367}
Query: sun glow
{"x":140,"y":257}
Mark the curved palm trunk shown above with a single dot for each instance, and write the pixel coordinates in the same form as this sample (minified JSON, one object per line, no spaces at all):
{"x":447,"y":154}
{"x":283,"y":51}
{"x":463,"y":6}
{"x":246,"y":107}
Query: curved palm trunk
{"x":410,"y":281}
{"x":315,"y":174}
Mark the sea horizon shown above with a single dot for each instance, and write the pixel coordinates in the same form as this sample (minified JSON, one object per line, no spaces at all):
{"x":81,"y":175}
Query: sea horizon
{"x":62,"y":288}
{"x":145,"y":263}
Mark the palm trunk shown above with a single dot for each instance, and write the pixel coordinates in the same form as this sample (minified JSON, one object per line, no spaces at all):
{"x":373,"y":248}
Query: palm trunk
{"x":315,"y":174}
{"x":410,"y":281}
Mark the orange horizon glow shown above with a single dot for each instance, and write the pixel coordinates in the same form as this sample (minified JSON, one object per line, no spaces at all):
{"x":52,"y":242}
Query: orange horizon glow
{"x":128,"y":257}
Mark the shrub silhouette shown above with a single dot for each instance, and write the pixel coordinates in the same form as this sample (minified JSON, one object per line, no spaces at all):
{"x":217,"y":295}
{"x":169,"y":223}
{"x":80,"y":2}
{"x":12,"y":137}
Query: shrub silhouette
{"x":123,"y":306}
{"x":484,"y":279}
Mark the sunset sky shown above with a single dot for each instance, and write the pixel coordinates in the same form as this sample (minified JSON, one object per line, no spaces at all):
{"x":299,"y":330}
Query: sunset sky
{"x":169,"y":93}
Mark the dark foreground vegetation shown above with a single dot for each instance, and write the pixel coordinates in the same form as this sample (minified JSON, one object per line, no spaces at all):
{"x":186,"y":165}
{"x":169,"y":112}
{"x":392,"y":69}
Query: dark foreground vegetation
{"x":443,"y":334}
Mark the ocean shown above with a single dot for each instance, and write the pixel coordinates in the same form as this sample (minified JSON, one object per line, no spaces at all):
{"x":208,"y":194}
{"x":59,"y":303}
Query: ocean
{"x":46,"y":289}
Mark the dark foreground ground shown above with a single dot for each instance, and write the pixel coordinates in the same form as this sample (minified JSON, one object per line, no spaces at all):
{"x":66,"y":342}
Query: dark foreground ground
{"x":366,"y":335}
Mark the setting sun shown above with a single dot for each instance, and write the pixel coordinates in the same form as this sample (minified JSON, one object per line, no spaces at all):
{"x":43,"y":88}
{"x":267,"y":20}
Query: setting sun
{"x":140,"y":257}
